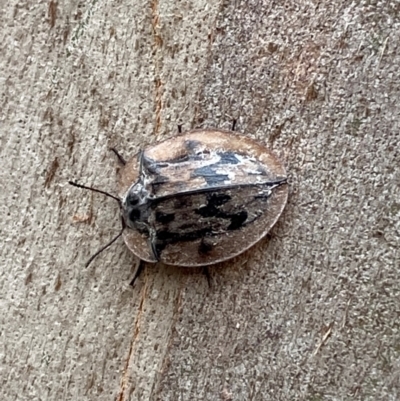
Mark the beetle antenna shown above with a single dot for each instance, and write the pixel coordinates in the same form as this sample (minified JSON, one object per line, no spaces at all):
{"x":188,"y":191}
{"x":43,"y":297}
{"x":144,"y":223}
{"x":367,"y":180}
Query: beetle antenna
{"x":105,"y":247}
{"x":120,"y":158}
{"x":75,"y":184}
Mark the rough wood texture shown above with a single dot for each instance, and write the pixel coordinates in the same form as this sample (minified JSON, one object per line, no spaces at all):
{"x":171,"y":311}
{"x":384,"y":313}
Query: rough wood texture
{"x":310,"y":313}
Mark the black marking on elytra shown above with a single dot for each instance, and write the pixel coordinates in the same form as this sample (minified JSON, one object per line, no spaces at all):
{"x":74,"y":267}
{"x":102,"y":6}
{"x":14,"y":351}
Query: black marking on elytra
{"x":238,"y":220}
{"x":211,"y":209}
{"x":159,"y":179}
{"x":186,"y":227}
{"x":191,"y":216}
{"x":201,"y":156}
{"x":165,"y":218}
{"x":179,"y":159}
{"x":190,"y":232}
{"x":219,"y":199}
{"x":171,"y":237}
{"x":191,"y":145}
{"x":210,"y":175}
{"x":205,"y":246}
{"x":165,"y":237}
{"x":179,"y":201}
{"x":201,"y":215}
{"x":227,"y":158}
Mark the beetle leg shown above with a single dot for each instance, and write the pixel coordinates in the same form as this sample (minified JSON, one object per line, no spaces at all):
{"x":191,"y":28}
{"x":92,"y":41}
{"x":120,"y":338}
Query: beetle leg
{"x":234,"y":124}
{"x":137,"y":272}
{"x":153,"y":245}
{"x":206,"y":272}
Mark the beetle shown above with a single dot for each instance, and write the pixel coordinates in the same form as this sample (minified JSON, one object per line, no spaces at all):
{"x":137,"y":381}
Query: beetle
{"x":199,"y":198}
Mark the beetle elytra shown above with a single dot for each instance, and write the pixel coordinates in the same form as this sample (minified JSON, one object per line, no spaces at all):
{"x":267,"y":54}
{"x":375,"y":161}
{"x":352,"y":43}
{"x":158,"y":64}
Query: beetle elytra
{"x":199,"y":198}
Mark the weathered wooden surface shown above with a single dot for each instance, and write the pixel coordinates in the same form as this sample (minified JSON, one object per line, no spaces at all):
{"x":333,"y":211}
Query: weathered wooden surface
{"x":312,"y":312}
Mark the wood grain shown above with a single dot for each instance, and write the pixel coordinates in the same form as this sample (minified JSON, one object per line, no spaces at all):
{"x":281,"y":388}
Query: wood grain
{"x":311,"y":313}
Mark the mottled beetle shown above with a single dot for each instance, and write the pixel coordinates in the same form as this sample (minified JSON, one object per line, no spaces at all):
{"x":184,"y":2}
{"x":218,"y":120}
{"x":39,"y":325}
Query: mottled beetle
{"x":199,"y":198}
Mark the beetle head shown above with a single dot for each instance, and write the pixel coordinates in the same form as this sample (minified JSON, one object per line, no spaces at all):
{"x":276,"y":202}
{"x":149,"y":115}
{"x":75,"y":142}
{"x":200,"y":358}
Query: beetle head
{"x":135,"y":207}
